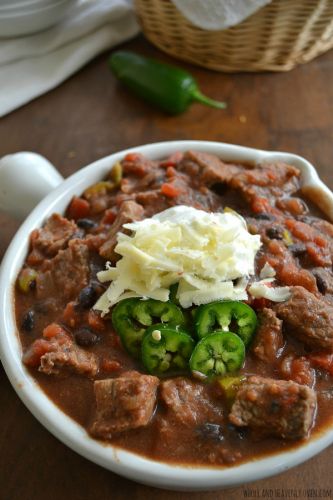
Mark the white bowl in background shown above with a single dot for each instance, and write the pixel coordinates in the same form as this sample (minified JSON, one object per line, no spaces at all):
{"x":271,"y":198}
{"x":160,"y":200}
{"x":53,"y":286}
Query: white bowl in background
{"x":123,"y":462}
{"x":32,"y":18}
{"x":9,"y":5}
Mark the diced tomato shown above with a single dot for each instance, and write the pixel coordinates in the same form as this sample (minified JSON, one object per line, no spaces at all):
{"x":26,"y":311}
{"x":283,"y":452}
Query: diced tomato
{"x":170,"y":190}
{"x":271,"y":175}
{"x":33,"y":354}
{"x":260,"y":205}
{"x":276,"y":247}
{"x":317,"y":245}
{"x":70,"y":316}
{"x":324,"y":361}
{"x":291,"y":205}
{"x":132,"y":157}
{"x":95,"y":321}
{"x":115,"y":341}
{"x":53,"y":330}
{"x":35,"y":258}
{"x":78,"y":208}
{"x":320,"y":241}
{"x":170,"y":172}
{"x":319,"y":255}
{"x":109,"y":216}
{"x":259,"y":303}
{"x":298,"y":369}
{"x":110,"y":366}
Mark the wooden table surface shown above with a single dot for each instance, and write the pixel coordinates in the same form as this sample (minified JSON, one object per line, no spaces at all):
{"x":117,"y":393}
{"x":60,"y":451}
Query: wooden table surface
{"x":90,"y":116}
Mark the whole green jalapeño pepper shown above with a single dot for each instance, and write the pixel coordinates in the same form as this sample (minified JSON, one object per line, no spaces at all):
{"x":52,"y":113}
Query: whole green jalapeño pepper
{"x":131,"y":317}
{"x":167,"y":87}
{"x":217,"y":354}
{"x":165,"y":350}
{"x":222,"y":315}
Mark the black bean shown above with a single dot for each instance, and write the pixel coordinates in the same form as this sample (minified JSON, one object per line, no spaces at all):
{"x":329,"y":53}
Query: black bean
{"x":86,"y":223}
{"x":32,"y":285}
{"x":87,"y":297}
{"x":275,"y":407}
{"x":28,"y":321}
{"x":239,"y":431}
{"x":219,"y":188}
{"x":211,"y":431}
{"x":297,"y":249}
{"x":263,"y":216}
{"x":322,"y":284}
{"x":85,"y":337}
{"x":275,"y":233}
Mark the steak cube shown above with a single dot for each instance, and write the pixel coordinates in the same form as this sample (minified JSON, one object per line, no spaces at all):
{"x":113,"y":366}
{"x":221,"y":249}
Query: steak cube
{"x":54,"y":235}
{"x":188,"y":402}
{"x":64,"y":356}
{"x":123,"y":403}
{"x":268,"y":341}
{"x":277,"y":408}
{"x":308,"y":318}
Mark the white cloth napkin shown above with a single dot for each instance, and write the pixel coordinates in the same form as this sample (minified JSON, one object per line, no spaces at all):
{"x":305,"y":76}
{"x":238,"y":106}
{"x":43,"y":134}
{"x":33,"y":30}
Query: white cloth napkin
{"x":32,"y":65}
{"x":218,"y":14}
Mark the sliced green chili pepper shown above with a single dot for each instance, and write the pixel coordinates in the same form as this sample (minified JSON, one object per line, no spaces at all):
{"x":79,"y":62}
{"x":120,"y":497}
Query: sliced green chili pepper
{"x":116,"y":173}
{"x":168,"y":87}
{"x":217,"y":354}
{"x":220,"y":315}
{"x":27,"y":279}
{"x":166,"y":350}
{"x":131,"y":317}
{"x":100,"y":188}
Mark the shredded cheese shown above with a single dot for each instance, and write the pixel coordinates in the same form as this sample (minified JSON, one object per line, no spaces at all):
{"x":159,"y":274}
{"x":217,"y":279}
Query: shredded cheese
{"x":260,"y":289}
{"x":210,"y":256}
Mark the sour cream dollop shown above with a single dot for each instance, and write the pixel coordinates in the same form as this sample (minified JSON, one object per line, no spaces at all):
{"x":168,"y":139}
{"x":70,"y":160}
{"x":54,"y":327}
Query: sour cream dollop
{"x":210,"y":256}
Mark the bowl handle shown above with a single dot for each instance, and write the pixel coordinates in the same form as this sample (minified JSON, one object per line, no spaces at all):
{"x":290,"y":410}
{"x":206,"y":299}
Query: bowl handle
{"x":25,"y":178}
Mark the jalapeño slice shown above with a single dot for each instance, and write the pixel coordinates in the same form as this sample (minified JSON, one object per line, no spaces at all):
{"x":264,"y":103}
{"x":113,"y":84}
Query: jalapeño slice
{"x":166,"y":350}
{"x":131,"y":317}
{"x":217,"y":354}
{"x":221,"y":315}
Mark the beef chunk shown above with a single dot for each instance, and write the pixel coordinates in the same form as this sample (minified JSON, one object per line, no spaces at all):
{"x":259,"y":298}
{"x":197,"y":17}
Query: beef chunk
{"x":268,"y":340}
{"x":188,"y":402}
{"x":274,"y":407}
{"x":129,"y":211}
{"x":68,"y":271}
{"x":308,"y":318}
{"x":208,"y":169}
{"x":123,"y":403}
{"x":63,"y":356}
{"x":54,"y":235}
{"x":272,"y":175}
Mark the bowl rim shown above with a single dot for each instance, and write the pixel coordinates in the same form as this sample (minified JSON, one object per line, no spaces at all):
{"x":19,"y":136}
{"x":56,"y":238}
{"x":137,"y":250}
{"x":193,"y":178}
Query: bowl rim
{"x":126,"y":463}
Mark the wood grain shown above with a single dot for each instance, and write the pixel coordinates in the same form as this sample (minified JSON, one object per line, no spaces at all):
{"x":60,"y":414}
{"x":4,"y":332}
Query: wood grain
{"x":90,"y":116}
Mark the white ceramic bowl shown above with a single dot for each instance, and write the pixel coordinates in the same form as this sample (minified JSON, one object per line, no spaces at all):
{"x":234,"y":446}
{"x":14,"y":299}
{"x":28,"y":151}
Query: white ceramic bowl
{"x":31,"y":18}
{"x":69,"y":432}
{"x":23,"y":4}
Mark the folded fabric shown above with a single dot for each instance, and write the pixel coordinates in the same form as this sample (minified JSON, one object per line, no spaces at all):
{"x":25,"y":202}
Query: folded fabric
{"x":218,"y":14}
{"x":32,"y":65}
